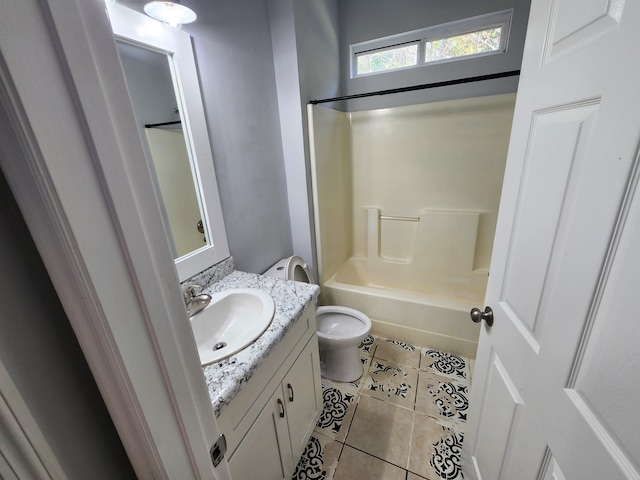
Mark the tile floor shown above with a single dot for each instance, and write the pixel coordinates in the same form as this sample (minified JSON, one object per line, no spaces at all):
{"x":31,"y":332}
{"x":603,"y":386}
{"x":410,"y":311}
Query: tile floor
{"x":402,"y":420}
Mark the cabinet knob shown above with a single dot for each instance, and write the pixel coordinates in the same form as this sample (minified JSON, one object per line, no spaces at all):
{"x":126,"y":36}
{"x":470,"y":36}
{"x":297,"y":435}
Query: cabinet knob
{"x":281,"y":405}
{"x":290,"y":388}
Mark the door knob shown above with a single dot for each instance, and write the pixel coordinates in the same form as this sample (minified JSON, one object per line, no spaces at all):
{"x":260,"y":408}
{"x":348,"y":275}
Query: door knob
{"x":487,"y":315}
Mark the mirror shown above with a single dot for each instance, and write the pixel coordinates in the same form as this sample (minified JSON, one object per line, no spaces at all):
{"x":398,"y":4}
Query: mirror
{"x":156,"y":106}
{"x":161,"y":77}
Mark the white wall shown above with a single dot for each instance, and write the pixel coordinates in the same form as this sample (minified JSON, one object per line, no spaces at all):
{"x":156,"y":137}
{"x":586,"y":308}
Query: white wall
{"x":362,"y":20}
{"x":41,"y":354}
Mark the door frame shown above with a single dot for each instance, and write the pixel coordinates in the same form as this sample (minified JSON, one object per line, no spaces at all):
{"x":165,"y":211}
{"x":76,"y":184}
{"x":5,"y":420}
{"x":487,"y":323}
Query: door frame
{"x":75,"y":164}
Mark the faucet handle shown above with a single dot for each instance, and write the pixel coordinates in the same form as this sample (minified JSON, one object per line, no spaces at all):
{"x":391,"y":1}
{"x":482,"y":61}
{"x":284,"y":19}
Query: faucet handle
{"x":190,"y":291}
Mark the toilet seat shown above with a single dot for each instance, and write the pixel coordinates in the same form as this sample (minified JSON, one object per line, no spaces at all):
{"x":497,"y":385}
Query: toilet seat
{"x":342,"y":326}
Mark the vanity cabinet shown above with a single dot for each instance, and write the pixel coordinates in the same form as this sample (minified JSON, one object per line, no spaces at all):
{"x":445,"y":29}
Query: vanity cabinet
{"x":269,"y":423}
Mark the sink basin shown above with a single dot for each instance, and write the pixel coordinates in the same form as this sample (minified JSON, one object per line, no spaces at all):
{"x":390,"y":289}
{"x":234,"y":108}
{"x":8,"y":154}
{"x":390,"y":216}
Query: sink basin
{"x":232,"y":320}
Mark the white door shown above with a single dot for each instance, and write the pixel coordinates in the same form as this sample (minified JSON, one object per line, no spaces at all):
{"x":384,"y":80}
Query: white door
{"x":557,"y":379}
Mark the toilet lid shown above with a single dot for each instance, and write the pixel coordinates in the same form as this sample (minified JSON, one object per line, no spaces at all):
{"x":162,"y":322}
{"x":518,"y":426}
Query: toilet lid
{"x":298,"y":270}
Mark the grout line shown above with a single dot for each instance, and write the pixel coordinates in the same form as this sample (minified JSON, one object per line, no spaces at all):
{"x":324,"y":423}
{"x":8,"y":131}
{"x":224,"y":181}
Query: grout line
{"x":413,"y":425}
{"x":375,"y":456}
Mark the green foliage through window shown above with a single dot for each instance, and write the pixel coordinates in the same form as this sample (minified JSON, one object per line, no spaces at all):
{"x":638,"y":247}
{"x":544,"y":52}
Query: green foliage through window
{"x":404,"y":56}
{"x":472,"y":43}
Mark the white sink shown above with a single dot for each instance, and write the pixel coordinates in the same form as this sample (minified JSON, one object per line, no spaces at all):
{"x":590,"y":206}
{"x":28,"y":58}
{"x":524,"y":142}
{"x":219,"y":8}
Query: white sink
{"x":232,"y":320}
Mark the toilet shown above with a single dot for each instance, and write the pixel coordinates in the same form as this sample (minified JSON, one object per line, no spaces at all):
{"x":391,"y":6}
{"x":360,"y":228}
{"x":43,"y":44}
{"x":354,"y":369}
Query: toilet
{"x":340,"y":329}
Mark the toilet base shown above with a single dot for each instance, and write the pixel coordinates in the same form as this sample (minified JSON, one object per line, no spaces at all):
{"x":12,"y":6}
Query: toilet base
{"x":341,"y":365}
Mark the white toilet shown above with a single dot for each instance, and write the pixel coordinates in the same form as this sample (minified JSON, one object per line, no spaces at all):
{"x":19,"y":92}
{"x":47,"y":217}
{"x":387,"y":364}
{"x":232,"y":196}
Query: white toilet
{"x":340,"y":329}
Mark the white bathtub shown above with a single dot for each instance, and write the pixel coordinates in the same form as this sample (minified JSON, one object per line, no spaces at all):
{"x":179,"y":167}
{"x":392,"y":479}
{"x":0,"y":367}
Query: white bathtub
{"x":434,"y":315}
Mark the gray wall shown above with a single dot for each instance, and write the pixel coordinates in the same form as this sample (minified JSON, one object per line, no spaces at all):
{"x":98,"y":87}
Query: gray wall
{"x":362,"y":20}
{"x":41,"y":354}
{"x":232,"y":43}
{"x":261,"y":61}
{"x":305,"y":48}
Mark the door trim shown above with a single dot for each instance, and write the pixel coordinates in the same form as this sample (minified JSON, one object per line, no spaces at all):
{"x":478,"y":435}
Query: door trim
{"x":71,"y":160}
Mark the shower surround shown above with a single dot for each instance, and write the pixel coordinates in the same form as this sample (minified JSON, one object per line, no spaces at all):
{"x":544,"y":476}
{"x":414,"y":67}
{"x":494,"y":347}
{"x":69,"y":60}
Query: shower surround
{"x":405,"y":204}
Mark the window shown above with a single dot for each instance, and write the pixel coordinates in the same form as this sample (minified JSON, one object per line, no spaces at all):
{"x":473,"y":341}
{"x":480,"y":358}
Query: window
{"x":387,"y":59}
{"x":472,"y":43}
{"x":472,"y":37}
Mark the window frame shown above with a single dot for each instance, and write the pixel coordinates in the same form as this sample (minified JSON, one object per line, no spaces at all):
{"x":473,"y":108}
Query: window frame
{"x":501,"y":18}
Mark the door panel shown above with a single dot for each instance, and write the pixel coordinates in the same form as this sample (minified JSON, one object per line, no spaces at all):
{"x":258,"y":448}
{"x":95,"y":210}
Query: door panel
{"x":557,"y":377}
{"x":553,"y":471}
{"x":578,"y":23}
{"x":559,"y":139}
{"x":498,"y":414}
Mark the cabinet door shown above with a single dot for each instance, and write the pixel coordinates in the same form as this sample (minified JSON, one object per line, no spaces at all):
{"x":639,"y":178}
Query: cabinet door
{"x":265,"y":451}
{"x":303,"y":396}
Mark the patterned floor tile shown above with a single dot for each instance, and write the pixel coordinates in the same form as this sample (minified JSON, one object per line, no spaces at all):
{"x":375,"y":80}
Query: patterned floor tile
{"x":319,"y":460}
{"x":446,"y":364}
{"x":398,"y":352}
{"x":368,"y":428}
{"x":435,"y":449}
{"x":368,"y":346}
{"x":391,"y":382}
{"x":339,"y":404}
{"x":366,"y":363}
{"x":443,"y":397}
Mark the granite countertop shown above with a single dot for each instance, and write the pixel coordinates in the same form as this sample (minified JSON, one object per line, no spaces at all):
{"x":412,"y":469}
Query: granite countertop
{"x":227,"y":377}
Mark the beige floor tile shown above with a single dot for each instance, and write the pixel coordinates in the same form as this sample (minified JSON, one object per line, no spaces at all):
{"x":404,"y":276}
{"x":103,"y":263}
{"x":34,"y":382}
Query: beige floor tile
{"x":355,"y":464}
{"x":382,"y":430}
{"x":391,"y":382}
{"x":413,"y":476}
{"x":319,"y":460}
{"x":435,"y":449}
{"x":442,"y":397}
{"x":398,"y":352}
{"x":339,"y":404}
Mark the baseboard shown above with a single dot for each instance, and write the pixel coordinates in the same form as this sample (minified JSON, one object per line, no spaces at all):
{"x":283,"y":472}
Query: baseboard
{"x":459,"y":346}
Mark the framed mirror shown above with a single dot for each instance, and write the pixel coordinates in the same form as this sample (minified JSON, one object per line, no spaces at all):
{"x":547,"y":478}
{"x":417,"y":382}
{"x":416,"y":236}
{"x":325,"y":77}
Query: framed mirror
{"x":162,"y":80}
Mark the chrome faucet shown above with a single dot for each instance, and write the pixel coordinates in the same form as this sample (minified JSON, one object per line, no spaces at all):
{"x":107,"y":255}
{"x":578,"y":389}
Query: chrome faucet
{"x":195,"y":303}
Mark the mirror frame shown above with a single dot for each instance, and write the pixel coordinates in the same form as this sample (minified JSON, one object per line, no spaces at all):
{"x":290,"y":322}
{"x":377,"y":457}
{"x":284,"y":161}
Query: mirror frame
{"x":138,"y":29}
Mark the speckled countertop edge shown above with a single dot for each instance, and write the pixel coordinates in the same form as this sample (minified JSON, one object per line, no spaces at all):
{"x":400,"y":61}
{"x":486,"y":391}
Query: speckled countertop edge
{"x":227,"y":377}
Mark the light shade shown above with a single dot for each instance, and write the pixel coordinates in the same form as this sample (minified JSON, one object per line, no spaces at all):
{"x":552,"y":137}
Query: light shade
{"x":173,"y":14}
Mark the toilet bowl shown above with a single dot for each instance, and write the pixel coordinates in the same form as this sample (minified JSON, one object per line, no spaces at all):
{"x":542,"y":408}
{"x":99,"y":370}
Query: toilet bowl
{"x":340,"y":329}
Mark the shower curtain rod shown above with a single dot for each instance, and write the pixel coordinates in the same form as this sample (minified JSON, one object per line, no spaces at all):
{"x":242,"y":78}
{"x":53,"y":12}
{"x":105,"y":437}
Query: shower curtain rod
{"x":420,"y":87}
{"x":164,"y":124}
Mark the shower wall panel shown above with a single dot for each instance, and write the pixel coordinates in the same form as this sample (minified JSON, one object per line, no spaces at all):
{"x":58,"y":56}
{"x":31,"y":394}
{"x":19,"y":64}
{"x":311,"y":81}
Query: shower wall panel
{"x":444,"y":156}
{"x":330,"y":147}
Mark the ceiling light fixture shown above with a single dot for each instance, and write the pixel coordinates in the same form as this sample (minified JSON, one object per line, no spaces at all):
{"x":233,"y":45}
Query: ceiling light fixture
{"x":170,"y":13}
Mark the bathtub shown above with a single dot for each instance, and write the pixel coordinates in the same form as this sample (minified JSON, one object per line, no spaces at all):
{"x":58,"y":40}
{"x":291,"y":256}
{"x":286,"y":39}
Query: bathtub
{"x":432,"y":314}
